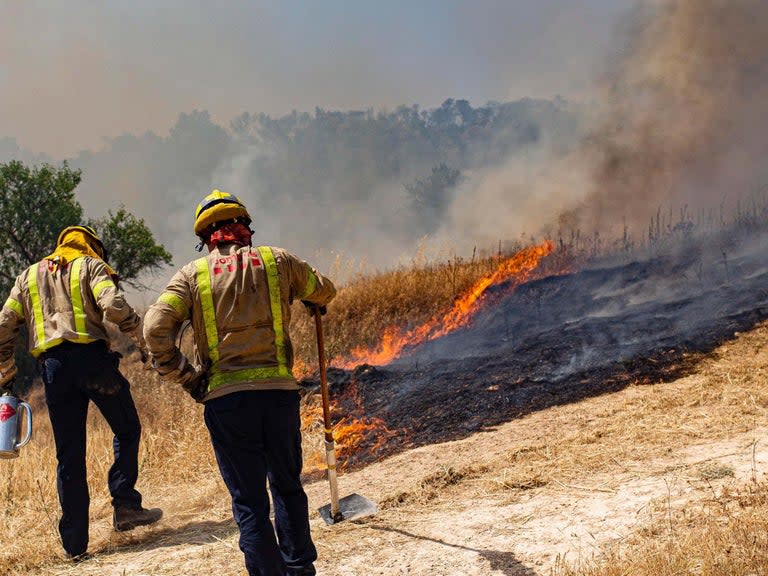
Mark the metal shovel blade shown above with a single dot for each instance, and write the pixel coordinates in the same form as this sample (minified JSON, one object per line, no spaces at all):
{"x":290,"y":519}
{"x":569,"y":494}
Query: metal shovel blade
{"x":350,"y":507}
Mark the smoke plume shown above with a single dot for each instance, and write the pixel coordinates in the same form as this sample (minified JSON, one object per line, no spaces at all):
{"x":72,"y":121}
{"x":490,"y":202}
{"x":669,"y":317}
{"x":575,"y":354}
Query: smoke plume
{"x":676,"y":127}
{"x":686,"y":115}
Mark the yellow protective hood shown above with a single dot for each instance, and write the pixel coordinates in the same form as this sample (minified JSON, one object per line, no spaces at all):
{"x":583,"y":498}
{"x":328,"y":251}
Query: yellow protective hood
{"x":74,"y":244}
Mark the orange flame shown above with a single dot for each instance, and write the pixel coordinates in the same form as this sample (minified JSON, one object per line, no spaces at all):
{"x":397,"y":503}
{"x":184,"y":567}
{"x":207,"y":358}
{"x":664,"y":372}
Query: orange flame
{"x":355,"y":433}
{"x":517,"y":269}
{"x":351,"y":435}
{"x":301,"y":369}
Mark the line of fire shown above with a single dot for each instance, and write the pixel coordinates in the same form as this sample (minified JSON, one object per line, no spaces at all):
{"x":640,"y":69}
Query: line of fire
{"x":541,"y":330}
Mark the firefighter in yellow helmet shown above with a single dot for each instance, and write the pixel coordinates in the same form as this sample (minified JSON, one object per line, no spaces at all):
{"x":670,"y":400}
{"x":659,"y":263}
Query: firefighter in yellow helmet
{"x":238,"y":299}
{"x":64,"y":300}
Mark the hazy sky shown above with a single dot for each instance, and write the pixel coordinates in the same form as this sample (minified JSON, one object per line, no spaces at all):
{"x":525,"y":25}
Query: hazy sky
{"x":676,"y":116}
{"x":74,"y":73}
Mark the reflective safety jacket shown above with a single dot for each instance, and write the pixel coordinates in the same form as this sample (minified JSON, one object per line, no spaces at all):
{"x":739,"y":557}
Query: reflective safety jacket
{"x":63,"y":302}
{"x":238,"y":300}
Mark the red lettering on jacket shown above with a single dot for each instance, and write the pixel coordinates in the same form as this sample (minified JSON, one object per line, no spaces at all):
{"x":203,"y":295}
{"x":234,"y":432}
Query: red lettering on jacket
{"x":53,"y":266}
{"x":232,"y":263}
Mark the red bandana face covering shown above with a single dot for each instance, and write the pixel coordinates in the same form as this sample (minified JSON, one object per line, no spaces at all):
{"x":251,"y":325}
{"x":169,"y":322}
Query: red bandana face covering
{"x":235,"y":233}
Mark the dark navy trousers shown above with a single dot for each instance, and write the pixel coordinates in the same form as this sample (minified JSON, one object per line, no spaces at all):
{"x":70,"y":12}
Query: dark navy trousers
{"x":69,"y":372}
{"x":256,"y":436}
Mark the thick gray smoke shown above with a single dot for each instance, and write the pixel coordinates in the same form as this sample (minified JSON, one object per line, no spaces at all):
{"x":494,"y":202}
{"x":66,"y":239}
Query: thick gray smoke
{"x":686,"y":116}
{"x":676,"y":128}
{"x":361,"y":189}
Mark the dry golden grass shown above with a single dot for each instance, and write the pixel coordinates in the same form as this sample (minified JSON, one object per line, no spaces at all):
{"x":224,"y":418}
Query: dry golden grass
{"x":613,"y":437}
{"x":728,"y":536}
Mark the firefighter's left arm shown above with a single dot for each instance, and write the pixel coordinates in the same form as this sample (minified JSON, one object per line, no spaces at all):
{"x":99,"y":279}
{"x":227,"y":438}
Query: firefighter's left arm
{"x":307,"y":284}
{"x":161,"y":326}
{"x":11,"y":319}
{"x":110,"y":298}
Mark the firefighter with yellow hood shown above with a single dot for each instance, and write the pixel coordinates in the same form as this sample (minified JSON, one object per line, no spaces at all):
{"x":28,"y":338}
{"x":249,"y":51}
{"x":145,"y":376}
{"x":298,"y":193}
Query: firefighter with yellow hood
{"x":238,"y":300}
{"x":64,"y":300}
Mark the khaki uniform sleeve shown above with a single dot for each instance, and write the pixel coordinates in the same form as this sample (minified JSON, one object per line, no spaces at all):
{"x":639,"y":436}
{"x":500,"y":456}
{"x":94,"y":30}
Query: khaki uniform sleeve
{"x":109,"y":297}
{"x":307,"y":283}
{"x":11,"y":319}
{"x":163,"y":320}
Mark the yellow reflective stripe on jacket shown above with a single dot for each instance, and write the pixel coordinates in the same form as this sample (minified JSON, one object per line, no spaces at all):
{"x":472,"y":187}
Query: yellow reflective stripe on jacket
{"x":275,"y":301}
{"x":16,"y":306}
{"x":311,"y":284}
{"x":37,"y":310}
{"x":101,"y":286}
{"x":209,"y":313}
{"x":76,"y":296}
{"x":176,"y":303}
{"x":221,"y":378}
{"x":51,"y":343}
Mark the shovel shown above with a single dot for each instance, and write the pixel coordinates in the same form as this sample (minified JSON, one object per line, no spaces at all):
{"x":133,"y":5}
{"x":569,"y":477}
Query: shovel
{"x":354,"y":505}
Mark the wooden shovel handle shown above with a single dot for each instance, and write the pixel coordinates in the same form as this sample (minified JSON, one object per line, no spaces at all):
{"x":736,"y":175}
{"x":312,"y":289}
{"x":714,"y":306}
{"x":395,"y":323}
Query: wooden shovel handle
{"x":323,"y":376}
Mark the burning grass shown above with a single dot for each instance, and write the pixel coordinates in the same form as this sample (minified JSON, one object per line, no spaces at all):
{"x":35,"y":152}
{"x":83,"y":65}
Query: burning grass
{"x":520,"y":267}
{"x":400,"y":299}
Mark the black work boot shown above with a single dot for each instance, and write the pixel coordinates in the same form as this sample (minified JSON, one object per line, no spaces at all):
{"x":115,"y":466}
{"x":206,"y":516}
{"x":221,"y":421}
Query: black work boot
{"x":129,"y":518}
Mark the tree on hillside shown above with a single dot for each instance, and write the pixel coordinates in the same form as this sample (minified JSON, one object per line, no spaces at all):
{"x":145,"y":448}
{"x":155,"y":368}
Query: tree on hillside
{"x":36,"y":203}
{"x":132,"y":248}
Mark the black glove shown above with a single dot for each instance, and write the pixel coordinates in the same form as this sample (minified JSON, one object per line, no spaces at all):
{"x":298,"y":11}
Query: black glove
{"x":197,"y":386}
{"x":311,"y":307}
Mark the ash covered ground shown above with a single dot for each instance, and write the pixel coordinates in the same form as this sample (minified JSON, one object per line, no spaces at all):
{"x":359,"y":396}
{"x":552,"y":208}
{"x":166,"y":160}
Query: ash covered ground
{"x":558,"y":340}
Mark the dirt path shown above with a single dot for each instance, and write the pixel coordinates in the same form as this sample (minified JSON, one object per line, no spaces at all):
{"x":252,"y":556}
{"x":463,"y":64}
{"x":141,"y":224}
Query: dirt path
{"x":466,"y":529}
{"x":444,"y":520}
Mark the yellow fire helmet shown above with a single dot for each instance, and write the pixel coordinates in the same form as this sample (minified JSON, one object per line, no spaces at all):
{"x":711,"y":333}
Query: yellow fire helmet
{"x":217,"y":207}
{"x":91,"y":237}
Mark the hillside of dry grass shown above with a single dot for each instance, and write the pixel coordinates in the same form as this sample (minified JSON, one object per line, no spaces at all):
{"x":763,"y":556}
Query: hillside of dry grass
{"x":656,"y":479}
{"x":623,"y":482}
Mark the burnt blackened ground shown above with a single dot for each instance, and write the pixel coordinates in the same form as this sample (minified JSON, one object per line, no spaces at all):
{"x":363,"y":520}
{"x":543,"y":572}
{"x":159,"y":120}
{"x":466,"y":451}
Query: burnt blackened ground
{"x":559,"y":340}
